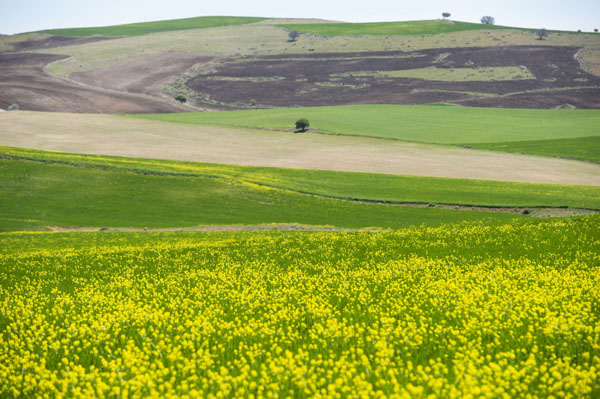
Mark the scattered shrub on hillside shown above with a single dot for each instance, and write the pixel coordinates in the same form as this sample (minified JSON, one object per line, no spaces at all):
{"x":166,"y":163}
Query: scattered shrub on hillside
{"x":541,"y":33}
{"x":181,"y":98}
{"x":13,"y":107}
{"x":302,"y":124}
{"x":293,"y":35}
{"x":446,"y":15}
{"x":487,"y":20}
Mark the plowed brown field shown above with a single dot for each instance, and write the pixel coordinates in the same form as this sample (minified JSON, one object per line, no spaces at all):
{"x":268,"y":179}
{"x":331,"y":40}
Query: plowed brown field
{"x":23,"y":81}
{"x":551,"y":78}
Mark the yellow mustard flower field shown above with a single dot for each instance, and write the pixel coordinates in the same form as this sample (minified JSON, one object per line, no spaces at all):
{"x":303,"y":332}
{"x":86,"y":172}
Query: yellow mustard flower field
{"x":463,"y":311}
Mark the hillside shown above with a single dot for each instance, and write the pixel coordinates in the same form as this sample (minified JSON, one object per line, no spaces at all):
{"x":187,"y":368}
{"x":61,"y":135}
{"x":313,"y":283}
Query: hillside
{"x":427,"y":27}
{"x":43,"y":189}
{"x":232,"y":63}
{"x":144,"y":28}
{"x":563,"y":133}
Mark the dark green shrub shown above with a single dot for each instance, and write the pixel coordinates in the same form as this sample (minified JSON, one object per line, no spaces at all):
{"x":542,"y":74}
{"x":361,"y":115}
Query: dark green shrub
{"x":302,"y":124}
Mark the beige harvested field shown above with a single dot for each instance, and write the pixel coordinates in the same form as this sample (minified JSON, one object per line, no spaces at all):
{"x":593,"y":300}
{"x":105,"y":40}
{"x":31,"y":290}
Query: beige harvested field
{"x":114,"y":135}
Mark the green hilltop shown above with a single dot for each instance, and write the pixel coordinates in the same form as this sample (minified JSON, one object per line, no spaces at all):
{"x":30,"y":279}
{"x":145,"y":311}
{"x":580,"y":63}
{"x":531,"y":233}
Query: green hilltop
{"x":143,"y":28}
{"x":425,"y":27}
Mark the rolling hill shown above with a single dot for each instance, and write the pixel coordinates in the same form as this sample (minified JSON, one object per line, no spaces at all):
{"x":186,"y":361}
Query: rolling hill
{"x":236,"y":62}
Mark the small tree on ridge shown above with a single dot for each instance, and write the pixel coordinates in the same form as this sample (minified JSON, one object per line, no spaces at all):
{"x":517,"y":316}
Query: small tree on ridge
{"x":446,"y":15}
{"x":293,"y":34}
{"x":487,"y":20}
{"x":541,"y":33}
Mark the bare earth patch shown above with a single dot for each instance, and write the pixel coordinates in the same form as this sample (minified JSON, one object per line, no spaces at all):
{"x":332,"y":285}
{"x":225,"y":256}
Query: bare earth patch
{"x":112,"y":135}
{"x":148,"y":75}
{"x":23,"y":81}
{"x":260,"y":227}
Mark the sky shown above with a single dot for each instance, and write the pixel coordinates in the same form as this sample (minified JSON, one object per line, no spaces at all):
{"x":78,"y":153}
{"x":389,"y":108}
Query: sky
{"x":29,"y":15}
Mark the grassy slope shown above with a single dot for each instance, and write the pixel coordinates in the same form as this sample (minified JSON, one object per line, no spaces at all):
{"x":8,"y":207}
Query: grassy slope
{"x":587,"y":148}
{"x":425,"y":27}
{"x":143,"y":28}
{"x":238,"y":40}
{"x":34,"y":195}
{"x":344,"y":185}
{"x":103,"y":192}
{"x":392,"y":188}
{"x":429,"y":124}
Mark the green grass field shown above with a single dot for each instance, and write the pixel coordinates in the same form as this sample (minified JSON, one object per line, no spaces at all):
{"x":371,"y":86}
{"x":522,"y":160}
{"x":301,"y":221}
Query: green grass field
{"x":423,"y":123}
{"x":46,"y":188}
{"x":426,"y":27}
{"x":398,"y":189}
{"x":587,"y":148}
{"x":144,"y":28}
{"x":344,"y":185}
{"x":35,"y":195}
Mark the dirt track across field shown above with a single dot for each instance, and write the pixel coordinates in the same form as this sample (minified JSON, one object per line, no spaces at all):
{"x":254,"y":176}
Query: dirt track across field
{"x":23,"y":81}
{"x":551,"y":78}
{"x":113,"y":135}
{"x":534,"y":212}
{"x":260,"y":227}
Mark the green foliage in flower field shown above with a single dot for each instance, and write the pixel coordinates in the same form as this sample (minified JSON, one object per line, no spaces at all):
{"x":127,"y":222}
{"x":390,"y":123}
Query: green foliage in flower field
{"x":501,"y":311}
{"x":143,"y":28}
{"x":422,"y":123}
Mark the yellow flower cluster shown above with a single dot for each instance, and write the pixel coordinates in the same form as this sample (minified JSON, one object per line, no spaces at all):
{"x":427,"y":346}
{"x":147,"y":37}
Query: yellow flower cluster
{"x":469,"y":311}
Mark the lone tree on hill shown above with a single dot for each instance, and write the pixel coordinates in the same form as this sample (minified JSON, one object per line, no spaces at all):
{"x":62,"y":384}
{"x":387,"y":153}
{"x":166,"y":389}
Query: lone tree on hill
{"x":293,"y":35}
{"x":541,"y":33}
{"x":596,"y":30}
{"x":487,"y":20}
{"x":302,"y":124}
{"x":181,"y":98}
{"x":446,"y":15}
